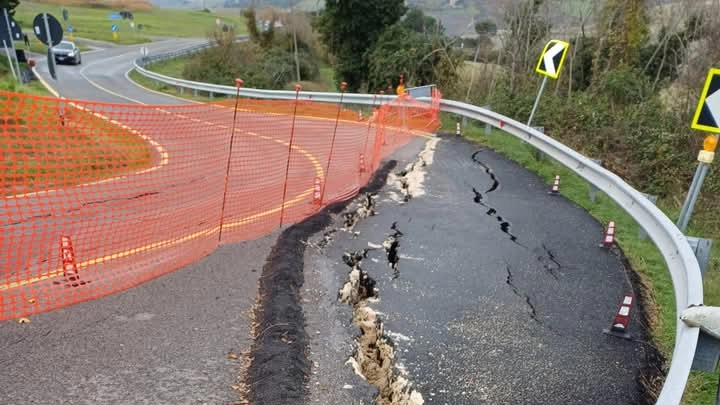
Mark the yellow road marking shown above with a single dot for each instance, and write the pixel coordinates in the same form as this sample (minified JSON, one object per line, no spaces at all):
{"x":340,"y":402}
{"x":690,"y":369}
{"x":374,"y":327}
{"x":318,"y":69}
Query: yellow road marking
{"x":175,"y":241}
{"x":319,"y":171}
{"x":164,"y":157}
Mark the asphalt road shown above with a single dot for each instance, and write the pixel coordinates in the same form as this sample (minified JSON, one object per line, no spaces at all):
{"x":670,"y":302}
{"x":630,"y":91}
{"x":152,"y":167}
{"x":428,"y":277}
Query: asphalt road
{"x":187,"y":180}
{"x":475,"y":316}
{"x":178,"y":339}
{"x":479,"y":312}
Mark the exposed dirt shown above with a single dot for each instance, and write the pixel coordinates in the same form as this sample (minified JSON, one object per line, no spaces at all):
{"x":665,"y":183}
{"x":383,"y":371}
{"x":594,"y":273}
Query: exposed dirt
{"x":374,"y":358}
{"x":279,"y":365}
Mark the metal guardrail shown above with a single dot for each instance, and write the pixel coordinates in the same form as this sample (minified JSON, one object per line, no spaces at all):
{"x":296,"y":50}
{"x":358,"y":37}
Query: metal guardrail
{"x":678,"y":255}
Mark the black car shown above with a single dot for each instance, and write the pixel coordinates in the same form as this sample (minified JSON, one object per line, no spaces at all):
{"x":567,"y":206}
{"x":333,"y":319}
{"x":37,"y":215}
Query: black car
{"x":67,"y":52}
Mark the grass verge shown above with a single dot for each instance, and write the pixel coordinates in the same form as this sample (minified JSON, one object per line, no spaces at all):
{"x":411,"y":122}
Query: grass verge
{"x":46,"y":145}
{"x":39,"y":152}
{"x":644,"y":257}
{"x":93,"y":23}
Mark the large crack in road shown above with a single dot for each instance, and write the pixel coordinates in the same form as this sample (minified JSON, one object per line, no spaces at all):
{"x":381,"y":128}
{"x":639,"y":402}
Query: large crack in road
{"x":374,"y":355}
{"x":279,"y":366}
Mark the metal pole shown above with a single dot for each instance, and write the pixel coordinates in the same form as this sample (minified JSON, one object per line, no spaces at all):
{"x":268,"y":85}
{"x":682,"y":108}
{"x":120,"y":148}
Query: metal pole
{"x":12,"y":69}
{"x":51,"y":59}
{"x":12,"y":45}
{"x":537,"y":100}
{"x":704,"y":168}
{"x":691,"y":190}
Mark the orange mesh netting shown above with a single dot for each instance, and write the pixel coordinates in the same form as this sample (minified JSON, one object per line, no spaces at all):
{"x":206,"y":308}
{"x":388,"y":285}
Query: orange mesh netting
{"x":101,"y":197}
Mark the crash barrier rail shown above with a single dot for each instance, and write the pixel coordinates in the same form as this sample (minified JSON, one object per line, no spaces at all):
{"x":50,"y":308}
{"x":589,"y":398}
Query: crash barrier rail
{"x":670,"y":241}
{"x":100,"y":197}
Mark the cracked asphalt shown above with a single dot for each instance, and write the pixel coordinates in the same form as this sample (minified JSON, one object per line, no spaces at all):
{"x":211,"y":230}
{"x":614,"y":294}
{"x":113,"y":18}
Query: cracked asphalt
{"x":493,"y":300}
{"x":500,"y":295}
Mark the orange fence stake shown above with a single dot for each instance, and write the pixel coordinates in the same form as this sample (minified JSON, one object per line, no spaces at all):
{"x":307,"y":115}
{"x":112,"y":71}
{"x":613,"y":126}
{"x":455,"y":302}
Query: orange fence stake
{"x":134,"y":192}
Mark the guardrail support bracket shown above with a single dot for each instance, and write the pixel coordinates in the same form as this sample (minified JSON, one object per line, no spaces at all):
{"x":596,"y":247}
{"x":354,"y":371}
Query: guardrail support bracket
{"x":702,"y":248}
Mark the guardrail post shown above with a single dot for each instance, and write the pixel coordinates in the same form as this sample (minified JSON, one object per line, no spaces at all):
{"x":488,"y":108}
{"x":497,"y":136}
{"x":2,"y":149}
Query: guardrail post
{"x":702,"y":248}
{"x":211,"y":95}
{"x":488,"y":127}
{"x":642,"y":235}
{"x":537,"y":152}
{"x":592,"y":190}
{"x":195,"y":93}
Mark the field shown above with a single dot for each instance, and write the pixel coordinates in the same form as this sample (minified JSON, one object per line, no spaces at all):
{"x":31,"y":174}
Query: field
{"x":93,"y":23}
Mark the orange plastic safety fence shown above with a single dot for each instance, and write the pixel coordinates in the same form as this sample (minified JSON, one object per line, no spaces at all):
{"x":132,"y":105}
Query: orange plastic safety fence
{"x":98,"y":198}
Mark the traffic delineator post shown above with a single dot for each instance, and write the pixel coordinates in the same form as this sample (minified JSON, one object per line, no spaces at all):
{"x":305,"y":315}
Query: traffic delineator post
{"x":69,"y":264}
{"x":457,"y":129}
{"x":317,"y":191}
{"x":556,"y":185}
{"x":621,"y":322}
{"x":609,"y":238}
{"x":360,"y":115}
{"x":362,"y":163}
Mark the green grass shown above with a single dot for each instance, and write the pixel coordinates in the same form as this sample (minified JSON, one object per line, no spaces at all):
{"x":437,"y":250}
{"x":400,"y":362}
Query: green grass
{"x":327,"y":78}
{"x":167,"y":89}
{"x":39,"y":153}
{"x":644,"y":257}
{"x":40,"y":150}
{"x":171,"y":67}
{"x":93,"y":23}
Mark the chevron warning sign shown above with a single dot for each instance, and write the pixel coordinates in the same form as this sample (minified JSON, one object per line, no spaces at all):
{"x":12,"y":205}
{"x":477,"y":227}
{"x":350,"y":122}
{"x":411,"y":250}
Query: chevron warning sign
{"x":552,"y":58}
{"x":707,"y":114}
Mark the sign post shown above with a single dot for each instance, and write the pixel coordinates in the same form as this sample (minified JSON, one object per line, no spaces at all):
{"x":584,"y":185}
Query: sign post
{"x":549,"y":65}
{"x":51,"y":57}
{"x":11,"y":29}
{"x":114,"y":29}
{"x":48,"y":31}
{"x":707,"y":118}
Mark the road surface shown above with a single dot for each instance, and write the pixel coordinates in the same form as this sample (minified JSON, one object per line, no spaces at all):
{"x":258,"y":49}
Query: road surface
{"x":488,"y":289}
{"x":190,"y":144}
{"x":492,"y":300}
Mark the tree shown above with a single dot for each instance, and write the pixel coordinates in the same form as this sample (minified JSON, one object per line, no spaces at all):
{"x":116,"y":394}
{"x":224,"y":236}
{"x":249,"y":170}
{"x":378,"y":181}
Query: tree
{"x":400,"y":50}
{"x":623,"y":28}
{"x":10,"y":5}
{"x":416,"y":20}
{"x":350,"y":27}
{"x":265,"y":37}
{"x":526,"y":30}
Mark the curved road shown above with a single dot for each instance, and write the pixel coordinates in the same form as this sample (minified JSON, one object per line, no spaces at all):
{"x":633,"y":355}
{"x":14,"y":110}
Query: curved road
{"x":187,"y":180}
{"x":518,"y":321}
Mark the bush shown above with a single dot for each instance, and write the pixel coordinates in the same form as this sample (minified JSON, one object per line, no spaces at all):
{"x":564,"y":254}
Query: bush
{"x":269,"y":69}
{"x":630,"y":130}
